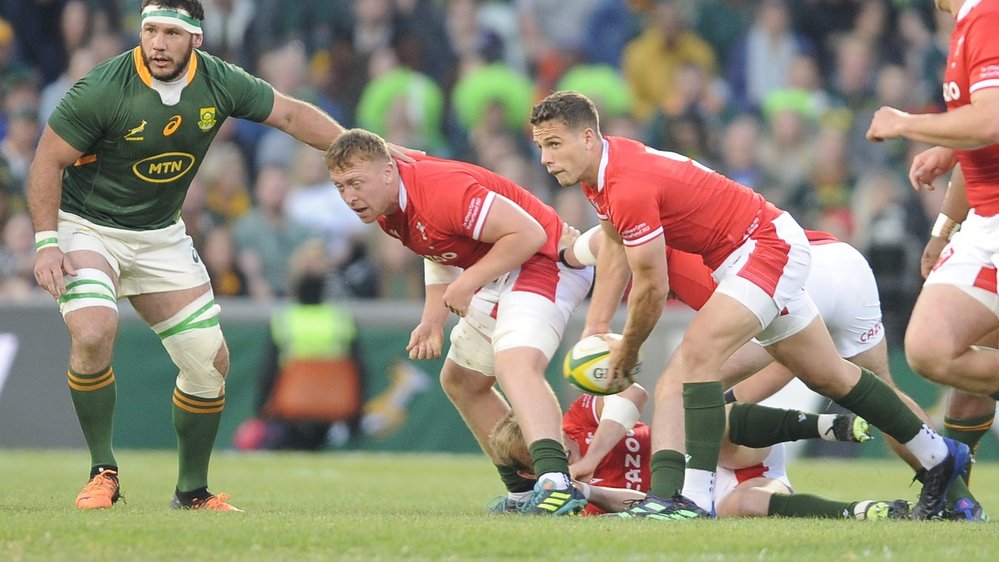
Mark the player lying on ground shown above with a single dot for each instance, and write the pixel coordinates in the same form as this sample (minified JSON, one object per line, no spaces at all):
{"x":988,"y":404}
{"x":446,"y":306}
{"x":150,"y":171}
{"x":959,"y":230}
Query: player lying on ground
{"x":609,"y":451}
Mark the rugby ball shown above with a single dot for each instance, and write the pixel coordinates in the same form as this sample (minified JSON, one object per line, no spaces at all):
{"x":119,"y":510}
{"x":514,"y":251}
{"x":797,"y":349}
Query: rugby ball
{"x":585,"y":366}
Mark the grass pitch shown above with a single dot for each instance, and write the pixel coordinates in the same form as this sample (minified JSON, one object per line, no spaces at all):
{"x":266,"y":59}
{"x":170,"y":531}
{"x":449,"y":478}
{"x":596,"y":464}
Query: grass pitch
{"x":349,"y":506}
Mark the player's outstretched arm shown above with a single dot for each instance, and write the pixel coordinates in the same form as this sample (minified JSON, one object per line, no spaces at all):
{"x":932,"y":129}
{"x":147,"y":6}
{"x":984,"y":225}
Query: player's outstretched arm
{"x":304,"y":121}
{"x":611,"y":500}
{"x":967,"y":127}
{"x":44,"y":193}
{"x":618,"y":414}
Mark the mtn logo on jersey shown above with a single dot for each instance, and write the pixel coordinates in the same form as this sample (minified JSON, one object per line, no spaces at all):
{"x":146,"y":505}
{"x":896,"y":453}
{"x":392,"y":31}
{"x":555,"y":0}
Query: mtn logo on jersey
{"x":207,"y":121}
{"x":164,"y":168}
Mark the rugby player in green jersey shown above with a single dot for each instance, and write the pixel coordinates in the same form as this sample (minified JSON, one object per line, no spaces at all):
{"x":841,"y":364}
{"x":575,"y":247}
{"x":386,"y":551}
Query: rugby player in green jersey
{"x":105,"y":191}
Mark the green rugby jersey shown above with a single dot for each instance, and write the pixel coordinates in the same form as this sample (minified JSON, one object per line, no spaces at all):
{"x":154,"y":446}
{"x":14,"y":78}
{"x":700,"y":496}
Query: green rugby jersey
{"x":139,"y":154}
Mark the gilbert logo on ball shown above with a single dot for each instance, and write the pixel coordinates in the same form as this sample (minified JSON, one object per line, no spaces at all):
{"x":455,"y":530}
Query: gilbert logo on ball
{"x":585,"y":366}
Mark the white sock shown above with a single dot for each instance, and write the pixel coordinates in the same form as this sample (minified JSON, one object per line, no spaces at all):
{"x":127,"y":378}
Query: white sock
{"x":519,"y":496}
{"x":928,"y":446}
{"x":825,"y":426}
{"x":860,"y":510}
{"x":699,"y":487}
{"x":559,"y":480}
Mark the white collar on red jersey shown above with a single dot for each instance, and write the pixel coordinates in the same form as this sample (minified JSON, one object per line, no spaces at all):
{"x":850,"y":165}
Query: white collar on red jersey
{"x":965,"y":8}
{"x":403,"y":198}
{"x":603,"y":165}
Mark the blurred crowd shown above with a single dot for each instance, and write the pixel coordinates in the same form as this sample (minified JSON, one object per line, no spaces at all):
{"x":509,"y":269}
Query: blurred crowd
{"x":776,"y":94}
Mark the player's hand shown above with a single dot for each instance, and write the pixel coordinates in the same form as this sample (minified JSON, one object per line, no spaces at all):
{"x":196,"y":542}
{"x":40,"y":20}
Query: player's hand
{"x":929,"y":165}
{"x":425,"y":342}
{"x":402,"y":153}
{"x":569,"y":236}
{"x":582,"y":470}
{"x":457,"y":297}
{"x":931,"y":253}
{"x":620,"y":364}
{"x":886,"y":124}
{"x":594,"y":329}
{"x":51,"y":268}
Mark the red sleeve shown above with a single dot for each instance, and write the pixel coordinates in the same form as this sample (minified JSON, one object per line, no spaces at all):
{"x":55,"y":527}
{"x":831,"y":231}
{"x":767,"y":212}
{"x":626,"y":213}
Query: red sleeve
{"x":634,"y":210}
{"x":460,"y":204}
{"x":982,"y":51}
{"x":581,"y":415}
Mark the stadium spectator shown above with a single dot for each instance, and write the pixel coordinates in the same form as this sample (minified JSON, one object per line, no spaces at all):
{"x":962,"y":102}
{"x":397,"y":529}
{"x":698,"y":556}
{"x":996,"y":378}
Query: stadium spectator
{"x":17,"y":148}
{"x":760,"y":61}
{"x":319,"y":338}
{"x":17,"y":258}
{"x":761,"y":268}
{"x":652,"y":60}
{"x":266,"y":234}
{"x":227,"y":29}
{"x":81,"y":61}
{"x":82,"y":221}
{"x":491,"y":255}
{"x":232,"y":274}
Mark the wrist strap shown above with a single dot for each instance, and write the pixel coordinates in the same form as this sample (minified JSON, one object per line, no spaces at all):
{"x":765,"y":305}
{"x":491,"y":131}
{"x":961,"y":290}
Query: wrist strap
{"x":46,"y":239}
{"x":944,"y":227}
{"x":561,"y":259}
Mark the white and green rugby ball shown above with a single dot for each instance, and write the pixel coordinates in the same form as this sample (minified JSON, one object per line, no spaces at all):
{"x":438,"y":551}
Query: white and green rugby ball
{"x":585,"y":366}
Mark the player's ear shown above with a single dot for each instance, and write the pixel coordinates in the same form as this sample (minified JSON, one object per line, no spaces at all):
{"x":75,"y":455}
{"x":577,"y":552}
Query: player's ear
{"x":527,"y":474}
{"x":388,"y":172}
{"x":198,"y":40}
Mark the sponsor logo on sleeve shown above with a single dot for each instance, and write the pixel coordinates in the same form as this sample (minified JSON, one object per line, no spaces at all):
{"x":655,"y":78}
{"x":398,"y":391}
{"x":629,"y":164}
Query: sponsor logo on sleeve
{"x":472,"y":214}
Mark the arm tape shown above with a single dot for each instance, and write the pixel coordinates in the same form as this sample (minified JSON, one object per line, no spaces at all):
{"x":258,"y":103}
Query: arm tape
{"x":944,"y":227}
{"x":621,"y":410}
{"x":439,"y":274}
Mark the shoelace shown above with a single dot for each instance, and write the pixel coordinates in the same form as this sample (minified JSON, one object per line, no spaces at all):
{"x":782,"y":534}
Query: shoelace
{"x":211,"y":502}
{"x":101,"y":482}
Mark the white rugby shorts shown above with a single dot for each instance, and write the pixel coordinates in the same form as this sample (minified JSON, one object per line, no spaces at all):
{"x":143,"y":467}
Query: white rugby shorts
{"x":145,"y":261}
{"x":528,"y":307}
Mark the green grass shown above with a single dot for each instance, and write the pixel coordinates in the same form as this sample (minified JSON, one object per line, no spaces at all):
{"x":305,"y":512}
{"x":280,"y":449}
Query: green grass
{"x":345,"y":506}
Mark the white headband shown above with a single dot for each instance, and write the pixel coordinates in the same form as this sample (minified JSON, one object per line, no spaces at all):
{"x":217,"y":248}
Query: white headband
{"x":171,"y":16}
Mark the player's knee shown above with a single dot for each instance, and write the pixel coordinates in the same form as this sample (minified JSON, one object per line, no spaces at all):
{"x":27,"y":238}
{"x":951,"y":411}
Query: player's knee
{"x":195,"y":343}
{"x":93,"y":338}
{"x":459,"y":383}
{"x":927,"y":356}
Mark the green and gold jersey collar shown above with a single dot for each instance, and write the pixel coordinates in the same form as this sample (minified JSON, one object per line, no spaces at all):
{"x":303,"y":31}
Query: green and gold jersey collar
{"x":147,"y":78}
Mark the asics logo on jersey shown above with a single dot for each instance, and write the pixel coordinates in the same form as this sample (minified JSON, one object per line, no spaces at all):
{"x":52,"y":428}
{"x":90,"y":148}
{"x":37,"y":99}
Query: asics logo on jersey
{"x":172,"y":125}
{"x":164,"y":168}
{"x":422,"y":229}
{"x":133,"y":134}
